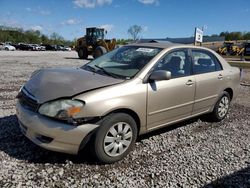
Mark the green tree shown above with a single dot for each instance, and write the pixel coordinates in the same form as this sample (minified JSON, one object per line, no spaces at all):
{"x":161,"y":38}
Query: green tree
{"x":32,"y":36}
{"x":17,"y":35}
{"x":236,"y":35}
{"x":57,"y":39}
{"x":246,"y":36}
{"x":45,"y":39}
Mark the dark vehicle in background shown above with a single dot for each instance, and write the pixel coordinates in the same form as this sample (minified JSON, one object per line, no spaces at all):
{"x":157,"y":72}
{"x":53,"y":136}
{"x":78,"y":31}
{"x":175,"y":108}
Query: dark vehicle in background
{"x":60,"y":48}
{"x":1,"y":46}
{"x":22,"y":46}
{"x":50,"y":47}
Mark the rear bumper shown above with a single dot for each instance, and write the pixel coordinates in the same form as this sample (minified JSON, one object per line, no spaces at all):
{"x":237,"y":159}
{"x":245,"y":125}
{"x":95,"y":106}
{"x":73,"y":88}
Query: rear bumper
{"x":50,"y":134}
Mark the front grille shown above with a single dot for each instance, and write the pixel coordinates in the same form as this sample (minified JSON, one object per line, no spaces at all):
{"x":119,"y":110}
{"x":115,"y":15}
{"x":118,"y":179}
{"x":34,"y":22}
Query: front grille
{"x":27,"y":101}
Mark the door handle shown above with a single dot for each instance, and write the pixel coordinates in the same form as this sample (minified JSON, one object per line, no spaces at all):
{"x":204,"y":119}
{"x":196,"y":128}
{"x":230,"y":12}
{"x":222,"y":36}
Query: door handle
{"x":220,"y":76}
{"x":189,"y":83}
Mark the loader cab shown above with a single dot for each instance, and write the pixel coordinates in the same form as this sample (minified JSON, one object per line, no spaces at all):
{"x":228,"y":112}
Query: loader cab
{"x":228,"y":45}
{"x":94,"y":34}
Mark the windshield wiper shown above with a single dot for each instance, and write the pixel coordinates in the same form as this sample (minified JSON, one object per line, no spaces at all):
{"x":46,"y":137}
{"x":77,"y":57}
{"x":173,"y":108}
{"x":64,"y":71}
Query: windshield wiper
{"x":106,"y":72}
{"x":92,"y":69}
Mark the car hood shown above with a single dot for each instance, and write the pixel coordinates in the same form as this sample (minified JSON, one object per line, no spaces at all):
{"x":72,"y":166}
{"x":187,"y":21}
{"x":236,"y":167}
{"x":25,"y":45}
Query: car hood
{"x":49,"y":84}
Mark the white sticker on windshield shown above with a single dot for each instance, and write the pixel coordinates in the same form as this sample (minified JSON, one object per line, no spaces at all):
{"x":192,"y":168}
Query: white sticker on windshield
{"x":147,"y":50}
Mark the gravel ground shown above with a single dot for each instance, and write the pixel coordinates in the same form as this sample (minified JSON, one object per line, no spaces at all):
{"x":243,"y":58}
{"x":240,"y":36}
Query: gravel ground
{"x":195,"y":153}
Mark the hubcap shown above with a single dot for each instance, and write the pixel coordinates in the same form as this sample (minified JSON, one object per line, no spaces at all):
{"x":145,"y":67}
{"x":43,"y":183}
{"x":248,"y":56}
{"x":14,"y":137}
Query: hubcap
{"x":223,"y":106}
{"x":117,"y":139}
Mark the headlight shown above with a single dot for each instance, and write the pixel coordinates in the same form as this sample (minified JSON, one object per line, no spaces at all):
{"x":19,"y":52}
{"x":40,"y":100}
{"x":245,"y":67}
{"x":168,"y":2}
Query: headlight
{"x":64,"y":109}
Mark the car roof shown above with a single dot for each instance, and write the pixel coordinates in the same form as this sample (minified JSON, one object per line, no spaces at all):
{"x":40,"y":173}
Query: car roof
{"x":156,"y":44}
{"x":165,"y":45}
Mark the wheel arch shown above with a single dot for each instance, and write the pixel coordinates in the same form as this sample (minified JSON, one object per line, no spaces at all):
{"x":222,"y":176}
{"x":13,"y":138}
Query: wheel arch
{"x":230,"y":92}
{"x":130,"y":112}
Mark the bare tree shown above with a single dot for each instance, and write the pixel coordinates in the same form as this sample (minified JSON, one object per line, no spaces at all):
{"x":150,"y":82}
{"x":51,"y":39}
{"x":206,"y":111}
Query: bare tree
{"x":134,"y":31}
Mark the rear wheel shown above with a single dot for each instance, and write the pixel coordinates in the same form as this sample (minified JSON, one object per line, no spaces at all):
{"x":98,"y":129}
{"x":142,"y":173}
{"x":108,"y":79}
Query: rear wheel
{"x":114,"y":138}
{"x":221,"y":108}
{"x":83,"y":53}
{"x":99,"y":51}
{"x":7,"y":49}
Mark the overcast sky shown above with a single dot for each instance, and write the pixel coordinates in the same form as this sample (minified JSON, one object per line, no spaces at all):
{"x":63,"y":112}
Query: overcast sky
{"x":158,"y":18}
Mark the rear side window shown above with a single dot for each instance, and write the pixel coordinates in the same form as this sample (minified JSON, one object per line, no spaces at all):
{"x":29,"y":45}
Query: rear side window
{"x":205,"y":62}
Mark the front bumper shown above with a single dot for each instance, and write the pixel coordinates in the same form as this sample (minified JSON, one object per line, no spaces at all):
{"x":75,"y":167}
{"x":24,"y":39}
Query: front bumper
{"x":51,"y":134}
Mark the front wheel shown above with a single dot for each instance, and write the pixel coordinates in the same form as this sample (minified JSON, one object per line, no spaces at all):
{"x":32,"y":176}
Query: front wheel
{"x":115,"y":137}
{"x":221,"y":107}
{"x":83,"y":53}
{"x":99,"y":51}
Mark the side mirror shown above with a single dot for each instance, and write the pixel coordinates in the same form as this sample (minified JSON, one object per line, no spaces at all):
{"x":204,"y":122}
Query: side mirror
{"x":160,"y":75}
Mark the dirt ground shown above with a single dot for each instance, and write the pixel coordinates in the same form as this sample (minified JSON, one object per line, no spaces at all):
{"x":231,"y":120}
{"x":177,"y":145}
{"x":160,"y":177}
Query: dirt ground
{"x":16,"y":68}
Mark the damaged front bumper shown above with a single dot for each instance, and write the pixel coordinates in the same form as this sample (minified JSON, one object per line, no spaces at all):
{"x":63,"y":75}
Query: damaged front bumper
{"x":51,"y":134}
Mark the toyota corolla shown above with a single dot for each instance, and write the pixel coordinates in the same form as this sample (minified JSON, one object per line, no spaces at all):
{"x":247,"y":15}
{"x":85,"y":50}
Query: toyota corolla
{"x":127,"y":92}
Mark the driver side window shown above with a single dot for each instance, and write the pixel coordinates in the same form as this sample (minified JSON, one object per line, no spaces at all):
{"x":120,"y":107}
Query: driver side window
{"x":177,"y":62}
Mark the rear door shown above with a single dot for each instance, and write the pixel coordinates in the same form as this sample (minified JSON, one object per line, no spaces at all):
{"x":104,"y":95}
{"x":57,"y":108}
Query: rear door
{"x":171,"y":100}
{"x":209,"y":80}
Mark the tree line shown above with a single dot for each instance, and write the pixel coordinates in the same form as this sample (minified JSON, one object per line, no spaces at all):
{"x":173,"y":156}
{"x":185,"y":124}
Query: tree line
{"x":18,"y":35}
{"x":237,"y":35}
{"x":135,"y":30}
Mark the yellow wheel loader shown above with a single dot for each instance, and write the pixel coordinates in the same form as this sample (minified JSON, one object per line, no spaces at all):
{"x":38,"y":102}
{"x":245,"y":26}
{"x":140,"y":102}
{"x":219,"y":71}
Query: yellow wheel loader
{"x":226,"y":49}
{"x":93,"y":43}
{"x":229,"y":48}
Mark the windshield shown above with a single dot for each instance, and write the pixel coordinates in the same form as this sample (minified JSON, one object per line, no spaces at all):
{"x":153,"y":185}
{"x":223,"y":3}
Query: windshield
{"x":97,"y":33}
{"x":124,"y":62}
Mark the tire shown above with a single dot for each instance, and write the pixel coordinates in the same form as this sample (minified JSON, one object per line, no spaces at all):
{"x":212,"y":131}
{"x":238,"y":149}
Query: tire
{"x":7,"y":49}
{"x":83,"y":53}
{"x":221,"y":108}
{"x":115,"y":138}
{"x":99,"y":51}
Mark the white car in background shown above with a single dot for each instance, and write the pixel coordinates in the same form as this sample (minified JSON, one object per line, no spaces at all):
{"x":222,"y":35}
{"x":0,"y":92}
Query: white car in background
{"x":36,"y":47}
{"x":67,"y":49}
{"x":42,"y":48}
{"x":7,"y":47}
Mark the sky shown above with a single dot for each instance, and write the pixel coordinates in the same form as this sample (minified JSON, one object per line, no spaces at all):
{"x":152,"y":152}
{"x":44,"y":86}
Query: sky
{"x":158,"y":18}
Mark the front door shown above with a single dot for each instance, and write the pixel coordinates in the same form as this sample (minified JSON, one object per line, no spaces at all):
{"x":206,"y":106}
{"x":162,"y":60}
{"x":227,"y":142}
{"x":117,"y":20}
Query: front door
{"x":171,"y":100}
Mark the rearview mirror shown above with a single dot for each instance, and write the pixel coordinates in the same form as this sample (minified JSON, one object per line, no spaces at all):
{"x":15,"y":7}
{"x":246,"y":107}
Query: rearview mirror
{"x":160,"y":75}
